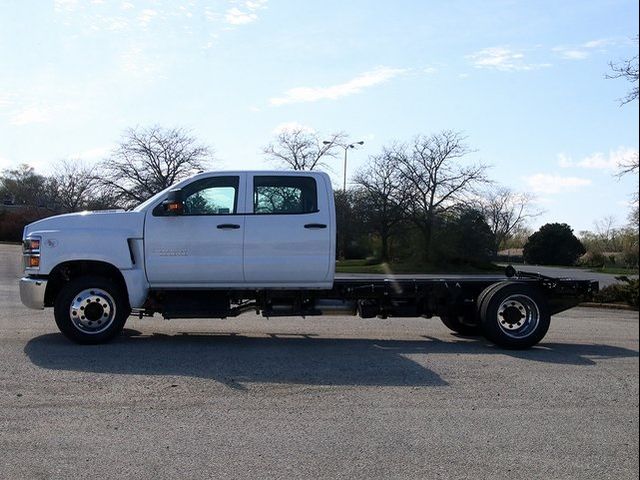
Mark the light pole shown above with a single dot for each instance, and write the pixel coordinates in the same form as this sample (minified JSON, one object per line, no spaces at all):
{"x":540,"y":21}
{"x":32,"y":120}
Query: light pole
{"x":346,"y":149}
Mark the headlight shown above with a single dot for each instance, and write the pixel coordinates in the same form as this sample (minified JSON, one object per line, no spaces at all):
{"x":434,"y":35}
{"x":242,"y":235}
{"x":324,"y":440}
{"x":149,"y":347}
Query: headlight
{"x":31,"y":252}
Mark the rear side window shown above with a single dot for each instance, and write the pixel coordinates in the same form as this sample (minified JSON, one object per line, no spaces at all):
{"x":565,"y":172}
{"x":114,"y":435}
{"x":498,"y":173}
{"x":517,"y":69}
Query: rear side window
{"x":284,"y":195}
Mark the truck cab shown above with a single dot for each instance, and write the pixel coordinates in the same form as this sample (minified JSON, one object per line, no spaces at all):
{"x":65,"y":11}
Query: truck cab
{"x":247,"y":230}
{"x":213,"y":231}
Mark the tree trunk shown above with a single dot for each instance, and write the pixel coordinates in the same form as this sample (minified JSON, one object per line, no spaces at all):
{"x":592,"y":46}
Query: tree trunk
{"x":427,"y":232}
{"x":384,"y":248}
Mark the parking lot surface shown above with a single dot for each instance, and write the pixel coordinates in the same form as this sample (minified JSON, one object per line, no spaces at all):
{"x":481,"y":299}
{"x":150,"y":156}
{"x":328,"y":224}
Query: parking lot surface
{"x":327,"y":397}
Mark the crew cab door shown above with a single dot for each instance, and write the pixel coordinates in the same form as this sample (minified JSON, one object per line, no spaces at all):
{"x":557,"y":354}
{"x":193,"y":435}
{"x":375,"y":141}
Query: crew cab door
{"x":203,"y":245}
{"x":288,"y":234}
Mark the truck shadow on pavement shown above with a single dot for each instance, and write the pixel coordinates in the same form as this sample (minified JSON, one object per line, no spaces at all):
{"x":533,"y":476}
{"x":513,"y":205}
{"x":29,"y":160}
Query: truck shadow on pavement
{"x":234,"y":359}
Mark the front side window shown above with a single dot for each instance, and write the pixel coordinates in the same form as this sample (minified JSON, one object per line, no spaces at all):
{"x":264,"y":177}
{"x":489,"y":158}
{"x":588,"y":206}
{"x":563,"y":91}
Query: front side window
{"x":208,"y":196}
{"x":284,"y":195}
{"x":211,"y":196}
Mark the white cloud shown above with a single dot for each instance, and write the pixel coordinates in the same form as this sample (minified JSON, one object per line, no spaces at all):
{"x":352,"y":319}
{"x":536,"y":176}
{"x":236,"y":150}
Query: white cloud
{"x":582,"y":51}
{"x":244,"y":14}
{"x":564,"y":161}
{"x":146,"y":16}
{"x":255,"y":4}
{"x":291,"y":127}
{"x":549,"y":184}
{"x":609,"y":162}
{"x":573,"y":54}
{"x":161,"y":17}
{"x":599,"y":160}
{"x":355,"y":85}
{"x":504,"y":59}
{"x":112,"y":24}
{"x":235,"y":16}
{"x":602,"y":42}
{"x":31,"y":114}
{"x":68,"y":5}
{"x":210,"y":15}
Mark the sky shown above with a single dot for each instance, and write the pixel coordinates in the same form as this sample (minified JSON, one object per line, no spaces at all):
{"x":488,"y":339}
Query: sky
{"x":523,"y":81}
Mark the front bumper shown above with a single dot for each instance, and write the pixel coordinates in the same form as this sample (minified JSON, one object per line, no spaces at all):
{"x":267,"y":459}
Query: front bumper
{"x":32,"y":292}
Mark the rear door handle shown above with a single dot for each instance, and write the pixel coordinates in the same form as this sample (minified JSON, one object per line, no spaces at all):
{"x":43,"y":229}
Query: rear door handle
{"x":315,"y":225}
{"x":228,"y":226}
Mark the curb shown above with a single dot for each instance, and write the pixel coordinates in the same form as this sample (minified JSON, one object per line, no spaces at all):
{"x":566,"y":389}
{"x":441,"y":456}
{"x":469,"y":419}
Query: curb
{"x":608,"y":306}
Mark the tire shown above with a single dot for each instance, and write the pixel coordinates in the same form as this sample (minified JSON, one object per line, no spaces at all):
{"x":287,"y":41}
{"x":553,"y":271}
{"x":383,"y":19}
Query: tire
{"x":485,"y":293}
{"x":91,"y":309}
{"x":469,"y":328}
{"x":455,"y":323}
{"x":514,"y":316}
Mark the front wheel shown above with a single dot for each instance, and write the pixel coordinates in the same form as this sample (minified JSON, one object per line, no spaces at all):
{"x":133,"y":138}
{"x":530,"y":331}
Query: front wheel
{"x":91,"y":309}
{"x":514,"y":316}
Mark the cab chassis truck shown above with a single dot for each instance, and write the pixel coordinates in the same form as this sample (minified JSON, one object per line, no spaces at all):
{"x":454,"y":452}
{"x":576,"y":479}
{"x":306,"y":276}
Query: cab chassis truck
{"x":220,"y":244}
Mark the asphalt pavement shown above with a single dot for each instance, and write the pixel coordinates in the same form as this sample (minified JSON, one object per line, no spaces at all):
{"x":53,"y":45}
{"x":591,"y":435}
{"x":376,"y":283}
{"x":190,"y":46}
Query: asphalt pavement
{"x":327,"y":397}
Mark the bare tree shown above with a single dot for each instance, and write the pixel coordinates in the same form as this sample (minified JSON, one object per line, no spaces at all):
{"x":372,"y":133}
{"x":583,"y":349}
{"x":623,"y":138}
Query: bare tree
{"x":301,"y":149}
{"x":628,"y":165}
{"x":435,"y":180}
{"x":625,"y":167}
{"x":518,"y":237}
{"x":149,"y":160}
{"x":634,"y":215}
{"x":73,"y":184}
{"x":606,"y":228}
{"x":384,"y":199}
{"x":23,"y":186}
{"x":506,"y":212}
{"x":627,"y":69}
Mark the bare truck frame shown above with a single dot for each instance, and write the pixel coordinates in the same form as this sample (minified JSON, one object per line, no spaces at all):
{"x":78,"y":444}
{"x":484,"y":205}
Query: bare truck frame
{"x":512,"y":310}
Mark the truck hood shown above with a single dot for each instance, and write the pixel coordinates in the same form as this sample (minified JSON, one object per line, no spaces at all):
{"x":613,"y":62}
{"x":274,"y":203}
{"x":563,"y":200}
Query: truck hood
{"x":129,"y":224}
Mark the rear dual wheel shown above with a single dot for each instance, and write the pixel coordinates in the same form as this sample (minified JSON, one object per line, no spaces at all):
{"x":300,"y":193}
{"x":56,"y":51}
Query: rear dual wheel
{"x":469,"y":324}
{"x":513,"y":315}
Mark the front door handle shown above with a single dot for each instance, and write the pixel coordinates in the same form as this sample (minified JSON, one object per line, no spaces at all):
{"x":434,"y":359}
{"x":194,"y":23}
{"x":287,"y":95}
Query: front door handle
{"x":228,"y":226}
{"x":315,"y":225}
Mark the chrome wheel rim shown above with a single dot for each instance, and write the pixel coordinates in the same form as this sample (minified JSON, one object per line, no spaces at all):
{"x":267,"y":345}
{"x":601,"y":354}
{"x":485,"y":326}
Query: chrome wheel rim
{"x":518,"y":316}
{"x":92,"y":311}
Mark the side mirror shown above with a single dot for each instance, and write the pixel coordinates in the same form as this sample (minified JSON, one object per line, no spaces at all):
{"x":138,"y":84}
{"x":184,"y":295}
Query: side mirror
{"x":174,"y":204}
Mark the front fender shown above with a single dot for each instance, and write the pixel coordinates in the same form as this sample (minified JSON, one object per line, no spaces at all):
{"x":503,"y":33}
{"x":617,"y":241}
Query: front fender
{"x":57,"y":247}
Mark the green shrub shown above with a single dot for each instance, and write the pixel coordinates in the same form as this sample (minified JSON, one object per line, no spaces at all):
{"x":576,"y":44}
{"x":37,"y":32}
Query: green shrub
{"x":628,"y":291}
{"x":592,"y":259}
{"x":553,"y":244}
{"x":630,"y":257}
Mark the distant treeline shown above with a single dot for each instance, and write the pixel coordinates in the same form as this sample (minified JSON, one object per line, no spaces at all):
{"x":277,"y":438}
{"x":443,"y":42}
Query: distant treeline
{"x":423,"y":201}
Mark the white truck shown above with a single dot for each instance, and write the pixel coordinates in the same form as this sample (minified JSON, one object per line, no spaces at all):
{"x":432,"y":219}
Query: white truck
{"x":219,"y":244}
